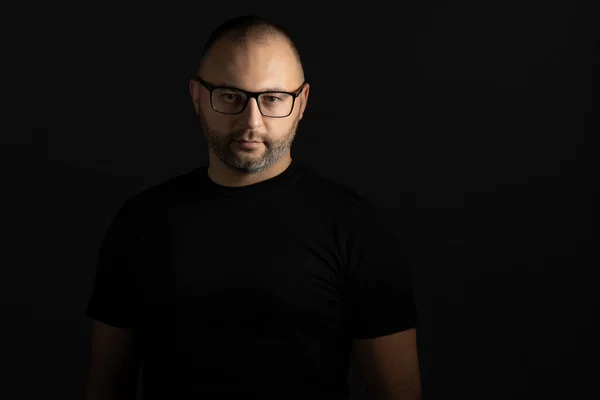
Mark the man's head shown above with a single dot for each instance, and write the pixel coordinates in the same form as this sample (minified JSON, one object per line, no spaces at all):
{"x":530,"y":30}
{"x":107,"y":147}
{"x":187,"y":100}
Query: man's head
{"x":254,"y":55}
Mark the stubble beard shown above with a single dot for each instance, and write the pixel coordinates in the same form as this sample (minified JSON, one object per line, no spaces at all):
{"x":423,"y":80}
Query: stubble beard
{"x":220,"y":144}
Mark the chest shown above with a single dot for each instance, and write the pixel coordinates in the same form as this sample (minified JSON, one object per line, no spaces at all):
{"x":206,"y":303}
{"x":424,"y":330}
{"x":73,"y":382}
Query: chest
{"x":252,"y":271}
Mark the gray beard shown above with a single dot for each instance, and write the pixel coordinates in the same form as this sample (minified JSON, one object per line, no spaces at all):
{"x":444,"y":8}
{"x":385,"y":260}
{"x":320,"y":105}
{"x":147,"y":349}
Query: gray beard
{"x":219,"y":143}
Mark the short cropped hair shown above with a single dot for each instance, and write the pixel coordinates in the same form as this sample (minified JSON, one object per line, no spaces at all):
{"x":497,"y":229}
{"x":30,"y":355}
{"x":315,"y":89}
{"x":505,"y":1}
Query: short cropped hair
{"x":247,"y":26}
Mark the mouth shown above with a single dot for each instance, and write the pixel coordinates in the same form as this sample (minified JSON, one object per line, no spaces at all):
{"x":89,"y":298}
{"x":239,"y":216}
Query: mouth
{"x":246,"y":144}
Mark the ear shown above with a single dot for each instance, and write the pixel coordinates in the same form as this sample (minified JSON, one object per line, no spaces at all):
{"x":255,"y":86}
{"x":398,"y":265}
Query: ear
{"x":303,"y":100}
{"x":195,"y":93}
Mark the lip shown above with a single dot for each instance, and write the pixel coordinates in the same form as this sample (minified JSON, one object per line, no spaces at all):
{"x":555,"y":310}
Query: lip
{"x":243,"y":144}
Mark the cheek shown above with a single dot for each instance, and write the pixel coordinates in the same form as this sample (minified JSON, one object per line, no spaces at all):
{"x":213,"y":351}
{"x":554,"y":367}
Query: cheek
{"x":283,"y":129}
{"x":277,"y":127}
{"x":214,"y":120}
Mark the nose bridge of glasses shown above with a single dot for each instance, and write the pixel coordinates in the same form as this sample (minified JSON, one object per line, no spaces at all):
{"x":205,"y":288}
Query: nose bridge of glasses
{"x":253,"y":99}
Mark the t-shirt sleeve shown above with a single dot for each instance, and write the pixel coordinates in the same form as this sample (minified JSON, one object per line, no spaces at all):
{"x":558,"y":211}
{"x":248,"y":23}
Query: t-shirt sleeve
{"x":380,"y":288}
{"x":114,"y":296}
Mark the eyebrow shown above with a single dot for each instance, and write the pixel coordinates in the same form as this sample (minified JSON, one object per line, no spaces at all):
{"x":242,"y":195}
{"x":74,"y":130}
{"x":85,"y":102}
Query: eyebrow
{"x":274,"y":89}
{"x":268,"y":89}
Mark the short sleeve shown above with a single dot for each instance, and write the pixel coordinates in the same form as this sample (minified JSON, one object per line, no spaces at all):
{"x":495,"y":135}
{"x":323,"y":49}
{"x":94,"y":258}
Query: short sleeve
{"x":114,"y":296}
{"x":380,"y":288}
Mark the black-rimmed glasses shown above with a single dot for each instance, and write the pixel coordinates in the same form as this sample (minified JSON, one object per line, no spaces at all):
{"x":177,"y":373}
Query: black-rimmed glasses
{"x":232,"y":100}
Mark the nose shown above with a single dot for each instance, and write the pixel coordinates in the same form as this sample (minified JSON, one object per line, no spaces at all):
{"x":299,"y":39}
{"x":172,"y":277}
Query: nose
{"x":251,"y":117}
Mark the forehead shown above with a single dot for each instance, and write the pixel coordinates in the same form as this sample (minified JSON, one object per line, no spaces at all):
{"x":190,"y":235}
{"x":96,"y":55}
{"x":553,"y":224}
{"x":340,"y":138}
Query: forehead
{"x":252,"y":64}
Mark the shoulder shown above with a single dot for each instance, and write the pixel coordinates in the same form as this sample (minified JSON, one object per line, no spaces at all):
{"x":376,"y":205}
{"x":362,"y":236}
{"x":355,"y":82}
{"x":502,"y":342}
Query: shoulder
{"x":360,"y":211}
{"x":318,"y":185}
{"x":326,"y":192}
{"x":159,"y":196}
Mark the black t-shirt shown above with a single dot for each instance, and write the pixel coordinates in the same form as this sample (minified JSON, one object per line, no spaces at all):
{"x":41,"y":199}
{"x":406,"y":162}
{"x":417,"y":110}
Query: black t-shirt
{"x":255,"y":290}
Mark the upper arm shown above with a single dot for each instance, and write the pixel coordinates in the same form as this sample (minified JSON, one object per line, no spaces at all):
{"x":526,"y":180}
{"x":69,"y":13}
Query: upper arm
{"x":381,"y":308}
{"x":389,"y":365}
{"x":379,"y":280}
{"x":113,"y":304}
{"x":114,"y":309}
{"x":114,"y":357}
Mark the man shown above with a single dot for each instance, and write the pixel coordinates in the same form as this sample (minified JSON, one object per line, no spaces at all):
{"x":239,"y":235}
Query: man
{"x":252,"y":276}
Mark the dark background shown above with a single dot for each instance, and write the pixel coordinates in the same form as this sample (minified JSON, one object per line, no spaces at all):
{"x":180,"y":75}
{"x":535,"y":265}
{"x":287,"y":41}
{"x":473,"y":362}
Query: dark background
{"x":472,"y":125}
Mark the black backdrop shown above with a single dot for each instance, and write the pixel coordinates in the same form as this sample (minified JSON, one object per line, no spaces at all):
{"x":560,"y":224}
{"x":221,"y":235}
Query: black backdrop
{"x":471,"y":125}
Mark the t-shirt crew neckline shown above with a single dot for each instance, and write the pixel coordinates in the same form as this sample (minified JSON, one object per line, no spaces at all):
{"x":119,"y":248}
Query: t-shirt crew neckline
{"x":250,"y":190}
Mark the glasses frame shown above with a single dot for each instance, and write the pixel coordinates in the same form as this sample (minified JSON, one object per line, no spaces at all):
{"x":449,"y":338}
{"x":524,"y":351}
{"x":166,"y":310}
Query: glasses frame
{"x":249,"y":95}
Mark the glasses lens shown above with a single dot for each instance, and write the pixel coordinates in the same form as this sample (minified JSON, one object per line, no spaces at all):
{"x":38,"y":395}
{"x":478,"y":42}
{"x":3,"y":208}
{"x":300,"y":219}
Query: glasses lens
{"x":231,"y":101}
{"x":275,"y":104}
{"x":228,"y":101}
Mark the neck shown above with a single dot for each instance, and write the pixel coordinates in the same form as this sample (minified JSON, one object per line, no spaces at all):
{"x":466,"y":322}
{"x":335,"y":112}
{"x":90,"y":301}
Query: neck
{"x":224,"y":175}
